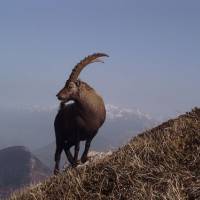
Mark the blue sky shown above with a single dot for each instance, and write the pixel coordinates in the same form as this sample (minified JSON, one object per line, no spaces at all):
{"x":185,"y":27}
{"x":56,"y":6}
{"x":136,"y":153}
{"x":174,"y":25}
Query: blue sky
{"x":154,"y":48}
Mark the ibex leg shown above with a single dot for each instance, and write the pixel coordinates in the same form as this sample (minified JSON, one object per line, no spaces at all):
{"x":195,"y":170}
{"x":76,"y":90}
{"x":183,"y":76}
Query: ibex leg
{"x":70,"y":158}
{"x":84,"y":157}
{"x":76,"y":151}
{"x":58,"y":152}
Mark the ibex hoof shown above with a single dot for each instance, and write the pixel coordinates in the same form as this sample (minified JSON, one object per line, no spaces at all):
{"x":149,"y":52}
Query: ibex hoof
{"x":84,"y":159}
{"x":56,"y":171}
{"x":76,"y":163}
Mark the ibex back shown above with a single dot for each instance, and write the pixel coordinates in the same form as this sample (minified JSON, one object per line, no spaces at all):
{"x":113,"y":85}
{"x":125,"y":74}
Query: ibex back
{"x":80,"y":120}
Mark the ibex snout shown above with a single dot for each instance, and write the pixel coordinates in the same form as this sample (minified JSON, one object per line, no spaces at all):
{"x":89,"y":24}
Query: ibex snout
{"x":61,"y":97}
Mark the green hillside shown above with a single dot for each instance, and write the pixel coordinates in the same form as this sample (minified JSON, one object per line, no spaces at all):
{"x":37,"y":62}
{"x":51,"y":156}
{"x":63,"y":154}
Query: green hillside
{"x":162,"y":163}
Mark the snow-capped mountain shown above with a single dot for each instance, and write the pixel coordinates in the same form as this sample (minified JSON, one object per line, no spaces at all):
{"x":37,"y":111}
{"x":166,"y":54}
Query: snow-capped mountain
{"x":114,"y":112}
{"x":33,"y":126}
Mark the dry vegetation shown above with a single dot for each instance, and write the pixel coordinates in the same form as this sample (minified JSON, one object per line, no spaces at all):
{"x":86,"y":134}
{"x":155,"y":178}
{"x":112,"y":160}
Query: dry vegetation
{"x":162,"y":163}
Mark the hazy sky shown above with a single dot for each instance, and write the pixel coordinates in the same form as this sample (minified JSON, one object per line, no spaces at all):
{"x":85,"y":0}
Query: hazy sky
{"x":154,"y":49}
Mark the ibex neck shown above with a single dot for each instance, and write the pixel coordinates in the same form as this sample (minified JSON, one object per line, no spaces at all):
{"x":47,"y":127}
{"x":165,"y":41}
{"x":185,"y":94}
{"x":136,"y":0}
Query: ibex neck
{"x":90,"y":103}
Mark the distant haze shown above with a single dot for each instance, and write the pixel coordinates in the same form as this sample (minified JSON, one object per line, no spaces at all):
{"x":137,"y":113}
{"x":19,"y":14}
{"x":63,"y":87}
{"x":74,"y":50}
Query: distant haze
{"x":153,"y":46}
{"x":34,"y":128}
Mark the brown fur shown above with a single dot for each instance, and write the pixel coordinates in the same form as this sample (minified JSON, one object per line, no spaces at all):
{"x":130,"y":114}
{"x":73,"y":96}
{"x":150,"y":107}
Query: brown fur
{"x":78,"y":121}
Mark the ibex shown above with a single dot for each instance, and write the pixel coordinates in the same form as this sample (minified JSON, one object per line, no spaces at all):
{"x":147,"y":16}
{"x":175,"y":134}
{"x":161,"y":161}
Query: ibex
{"x":80,"y":120}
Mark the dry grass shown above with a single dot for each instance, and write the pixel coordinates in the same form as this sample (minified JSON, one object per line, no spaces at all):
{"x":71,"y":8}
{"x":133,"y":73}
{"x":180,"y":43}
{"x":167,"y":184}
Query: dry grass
{"x":162,"y":163}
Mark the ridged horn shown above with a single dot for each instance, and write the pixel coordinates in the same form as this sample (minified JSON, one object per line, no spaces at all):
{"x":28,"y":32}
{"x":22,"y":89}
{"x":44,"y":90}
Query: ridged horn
{"x":83,"y":63}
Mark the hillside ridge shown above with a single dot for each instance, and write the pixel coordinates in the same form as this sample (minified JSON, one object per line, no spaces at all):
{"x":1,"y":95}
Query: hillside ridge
{"x":161,"y":163}
{"x":19,"y":167}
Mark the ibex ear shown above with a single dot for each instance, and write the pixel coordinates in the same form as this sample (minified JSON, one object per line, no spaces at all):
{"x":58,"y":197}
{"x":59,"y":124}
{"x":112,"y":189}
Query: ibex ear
{"x":78,"y":83}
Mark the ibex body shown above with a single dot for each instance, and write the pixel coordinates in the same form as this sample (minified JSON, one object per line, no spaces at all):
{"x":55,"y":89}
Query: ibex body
{"x":80,"y":120}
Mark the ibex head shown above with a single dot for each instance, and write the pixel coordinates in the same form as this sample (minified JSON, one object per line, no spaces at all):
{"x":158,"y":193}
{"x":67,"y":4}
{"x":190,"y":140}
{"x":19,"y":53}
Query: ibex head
{"x":71,"y":88}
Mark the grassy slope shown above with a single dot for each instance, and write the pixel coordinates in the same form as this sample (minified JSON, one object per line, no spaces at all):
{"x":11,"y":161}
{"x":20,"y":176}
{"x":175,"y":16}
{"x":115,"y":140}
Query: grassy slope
{"x":162,"y":163}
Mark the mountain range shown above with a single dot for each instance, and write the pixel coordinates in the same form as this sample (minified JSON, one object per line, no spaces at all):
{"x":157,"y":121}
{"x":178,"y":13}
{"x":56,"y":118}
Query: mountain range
{"x":19,"y":168}
{"x":33,"y":128}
